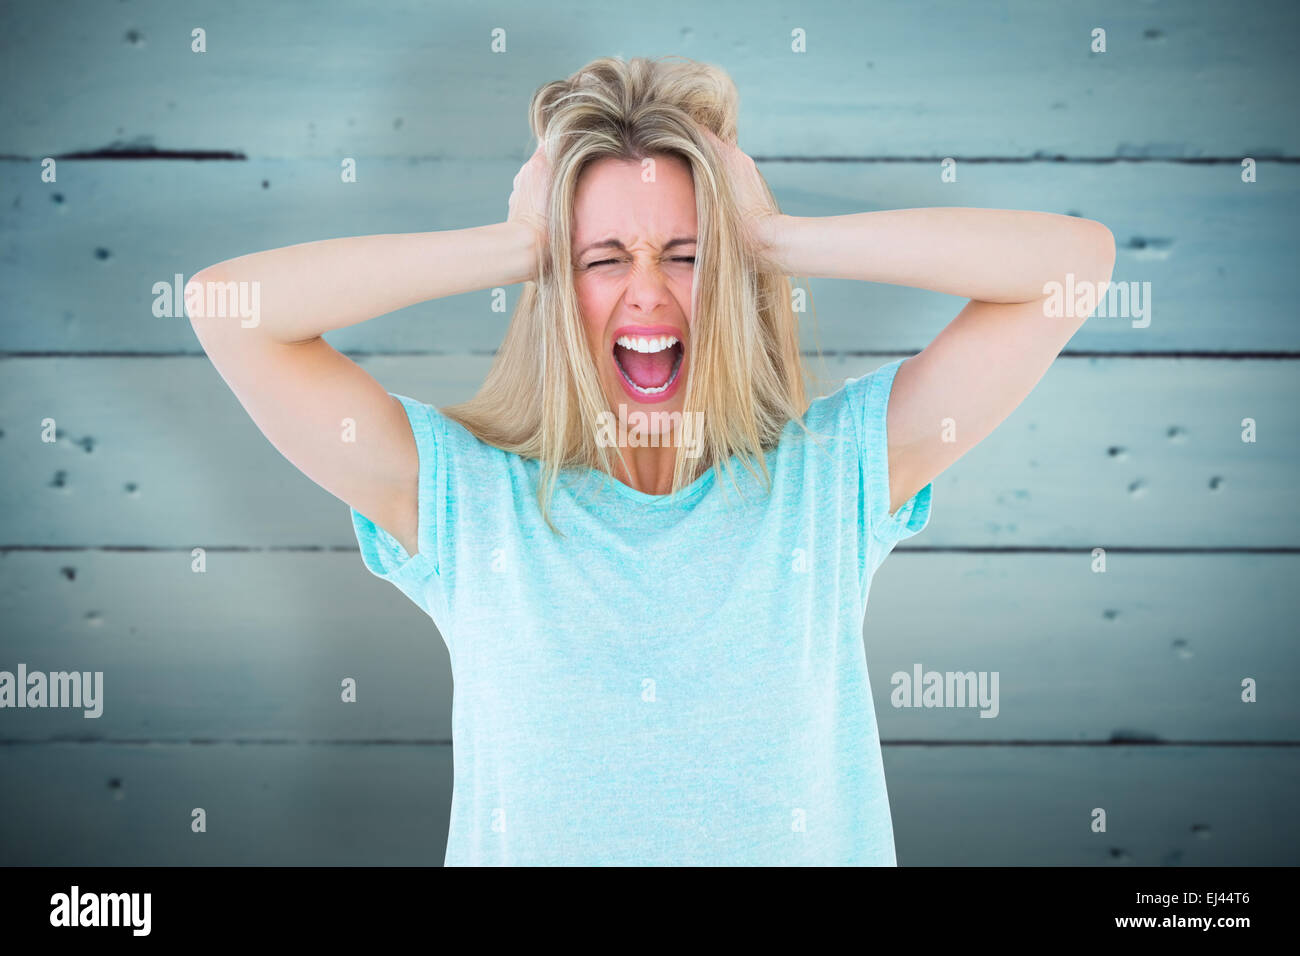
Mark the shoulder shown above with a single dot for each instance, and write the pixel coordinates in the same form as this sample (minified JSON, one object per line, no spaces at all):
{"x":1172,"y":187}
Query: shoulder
{"x":857,"y":406}
{"x":435,"y":430}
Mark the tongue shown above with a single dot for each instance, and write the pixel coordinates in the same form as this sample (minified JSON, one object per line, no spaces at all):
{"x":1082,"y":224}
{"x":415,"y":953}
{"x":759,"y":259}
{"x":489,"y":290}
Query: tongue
{"x":646,"y":369}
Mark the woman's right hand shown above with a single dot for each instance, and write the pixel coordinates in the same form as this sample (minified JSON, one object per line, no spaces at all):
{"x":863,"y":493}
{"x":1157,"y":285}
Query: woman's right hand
{"x":531,"y":195}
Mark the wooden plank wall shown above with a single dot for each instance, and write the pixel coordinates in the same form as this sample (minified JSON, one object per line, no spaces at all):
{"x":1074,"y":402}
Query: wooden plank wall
{"x":1119,"y":690}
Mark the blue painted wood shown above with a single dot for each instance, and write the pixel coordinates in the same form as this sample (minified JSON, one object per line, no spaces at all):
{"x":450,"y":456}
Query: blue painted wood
{"x":988,"y":806}
{"x":104,"y":805}
{"x":1210,"y":254}
{"x":257,"y":646}
{"x":412,"y":78}
{"x":1103,"y":453}
{"x":1108,"y":452}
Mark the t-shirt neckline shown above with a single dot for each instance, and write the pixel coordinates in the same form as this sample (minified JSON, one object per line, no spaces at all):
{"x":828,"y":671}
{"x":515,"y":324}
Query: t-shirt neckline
{"x":627,"y":491}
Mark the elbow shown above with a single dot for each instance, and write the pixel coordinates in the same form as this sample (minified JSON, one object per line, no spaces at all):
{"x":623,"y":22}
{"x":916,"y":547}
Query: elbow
{"x":1094,"y":266}
{"x":221,"y":310}
{"x":1100,"y":250}
{"x":216,"y":276}
{"x":194,"y":295}
{"x":196,"y":306}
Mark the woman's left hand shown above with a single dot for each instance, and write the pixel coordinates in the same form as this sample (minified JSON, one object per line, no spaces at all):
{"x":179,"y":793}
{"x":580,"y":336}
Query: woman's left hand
{"x":757,"y":209}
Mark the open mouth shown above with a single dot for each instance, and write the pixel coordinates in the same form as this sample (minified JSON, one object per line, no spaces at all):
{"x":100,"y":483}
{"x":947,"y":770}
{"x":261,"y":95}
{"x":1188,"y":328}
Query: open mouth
{"x":649,"y":364}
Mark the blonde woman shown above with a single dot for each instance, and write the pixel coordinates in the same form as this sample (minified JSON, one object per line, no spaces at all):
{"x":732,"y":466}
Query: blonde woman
{"x":654,"y":621}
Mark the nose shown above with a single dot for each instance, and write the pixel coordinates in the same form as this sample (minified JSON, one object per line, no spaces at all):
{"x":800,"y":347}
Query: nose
{"x":647,"y":287}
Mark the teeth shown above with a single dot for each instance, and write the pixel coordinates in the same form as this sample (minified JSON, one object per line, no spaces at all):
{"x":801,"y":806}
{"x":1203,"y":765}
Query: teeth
{"x":639,"y":343}
{"x":629,"y":343}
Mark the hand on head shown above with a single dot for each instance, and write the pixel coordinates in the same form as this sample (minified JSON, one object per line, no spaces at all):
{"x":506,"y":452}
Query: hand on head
{"x":530,"y":197}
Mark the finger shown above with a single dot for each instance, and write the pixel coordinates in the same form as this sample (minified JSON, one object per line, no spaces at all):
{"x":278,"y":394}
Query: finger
{"x":721,"y":145}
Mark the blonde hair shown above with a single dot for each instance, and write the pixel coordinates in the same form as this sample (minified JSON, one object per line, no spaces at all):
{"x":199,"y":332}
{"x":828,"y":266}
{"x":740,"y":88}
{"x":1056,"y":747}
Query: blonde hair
{"x":542,"y":397}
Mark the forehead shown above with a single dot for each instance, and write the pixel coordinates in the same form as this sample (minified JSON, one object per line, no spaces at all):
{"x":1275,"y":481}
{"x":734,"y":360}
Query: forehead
{"x":613,"y":201}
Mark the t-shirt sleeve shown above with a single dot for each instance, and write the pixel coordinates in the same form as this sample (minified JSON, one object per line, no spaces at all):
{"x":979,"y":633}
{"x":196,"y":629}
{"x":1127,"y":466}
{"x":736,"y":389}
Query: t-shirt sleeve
{"x":383,"y":554}
{"x":868,"y":402}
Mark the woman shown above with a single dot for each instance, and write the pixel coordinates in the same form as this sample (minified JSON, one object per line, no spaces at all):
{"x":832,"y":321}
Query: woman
{"x":654,"y":622}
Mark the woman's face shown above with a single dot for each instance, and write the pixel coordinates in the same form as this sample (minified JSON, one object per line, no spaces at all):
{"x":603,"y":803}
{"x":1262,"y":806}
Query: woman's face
{"x":634,"y":264}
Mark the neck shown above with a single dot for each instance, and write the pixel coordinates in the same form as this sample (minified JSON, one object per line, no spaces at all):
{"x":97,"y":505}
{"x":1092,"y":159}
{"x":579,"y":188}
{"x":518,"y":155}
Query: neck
{"x":649,"y":470}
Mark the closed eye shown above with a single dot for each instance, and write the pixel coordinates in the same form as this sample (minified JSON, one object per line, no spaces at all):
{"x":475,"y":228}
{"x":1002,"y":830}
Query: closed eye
{"x":602,"y":262}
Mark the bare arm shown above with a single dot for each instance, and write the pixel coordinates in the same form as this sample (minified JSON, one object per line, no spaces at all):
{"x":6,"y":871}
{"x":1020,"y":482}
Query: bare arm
{"x":988,"y":359}
{"x":299,"y":390}
{"x":990,"y":255}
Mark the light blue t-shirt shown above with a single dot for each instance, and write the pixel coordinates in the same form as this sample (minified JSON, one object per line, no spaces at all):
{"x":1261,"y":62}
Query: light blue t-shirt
{"x":676,"y":682}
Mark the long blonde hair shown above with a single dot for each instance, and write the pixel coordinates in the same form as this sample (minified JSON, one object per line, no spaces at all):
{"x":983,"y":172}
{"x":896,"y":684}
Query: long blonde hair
{"x":542,"y":397}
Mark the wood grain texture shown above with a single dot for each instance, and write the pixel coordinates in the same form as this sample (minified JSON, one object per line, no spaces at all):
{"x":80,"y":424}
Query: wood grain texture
{"x":1103,"y":453}
{"x":256,"y":647}
{"x":98,"y":805}
{"x":81,"y":256}
{"x":1138,"y":452}
{"x":409,"y":78}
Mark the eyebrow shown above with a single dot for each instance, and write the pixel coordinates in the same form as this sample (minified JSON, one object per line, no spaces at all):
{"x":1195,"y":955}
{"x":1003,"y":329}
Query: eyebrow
{"x":616,"y":244}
